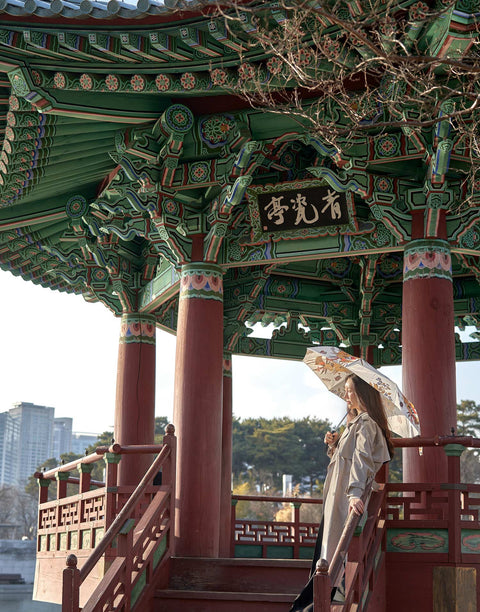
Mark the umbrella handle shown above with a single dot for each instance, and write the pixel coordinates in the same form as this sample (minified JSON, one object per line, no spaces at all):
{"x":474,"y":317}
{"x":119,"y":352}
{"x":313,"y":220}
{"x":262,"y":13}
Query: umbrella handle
{"x":334,"y":442}
{"x":338,"y":424}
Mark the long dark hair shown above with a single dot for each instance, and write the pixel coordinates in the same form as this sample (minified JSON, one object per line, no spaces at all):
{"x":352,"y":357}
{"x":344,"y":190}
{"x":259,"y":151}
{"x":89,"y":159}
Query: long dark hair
{"x":371,"y":401}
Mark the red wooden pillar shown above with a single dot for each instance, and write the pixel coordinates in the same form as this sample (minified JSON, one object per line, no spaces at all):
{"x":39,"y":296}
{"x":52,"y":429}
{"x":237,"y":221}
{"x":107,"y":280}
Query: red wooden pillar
{"x":43,"y":485}
{"x":198,"y":410}
{"x":85,"y":470}
{"x":428,"y":352}
{"x":135,"y":399}
{"x":62,"y":478}
{"x":226,"y":485}
{"x":453,"y":453}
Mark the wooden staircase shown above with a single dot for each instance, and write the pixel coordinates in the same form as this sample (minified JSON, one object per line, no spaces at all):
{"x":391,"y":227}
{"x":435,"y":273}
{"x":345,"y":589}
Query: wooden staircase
{"x":144,"y":576}
{"x":231,"y":585}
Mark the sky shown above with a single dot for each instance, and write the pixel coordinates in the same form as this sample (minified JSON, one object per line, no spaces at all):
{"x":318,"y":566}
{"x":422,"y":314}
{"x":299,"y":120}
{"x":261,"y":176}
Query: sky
{"x":60,"y":351}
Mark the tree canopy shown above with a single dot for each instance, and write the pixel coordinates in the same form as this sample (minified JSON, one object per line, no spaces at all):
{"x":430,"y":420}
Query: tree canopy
{"x":468,"y":418}
{"x":468,"y":424}
{"x":265,"y":449}
{"x":356,"y":70}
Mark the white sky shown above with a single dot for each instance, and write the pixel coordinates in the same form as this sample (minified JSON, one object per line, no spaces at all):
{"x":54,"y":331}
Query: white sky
{"x":59,"y":351}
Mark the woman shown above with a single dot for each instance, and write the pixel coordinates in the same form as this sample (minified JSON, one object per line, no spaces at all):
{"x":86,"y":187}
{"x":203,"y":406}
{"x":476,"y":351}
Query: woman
{"x":356,"y":456}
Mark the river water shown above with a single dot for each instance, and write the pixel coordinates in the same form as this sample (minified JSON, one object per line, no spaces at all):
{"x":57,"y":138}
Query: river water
{"x":15,"y":598}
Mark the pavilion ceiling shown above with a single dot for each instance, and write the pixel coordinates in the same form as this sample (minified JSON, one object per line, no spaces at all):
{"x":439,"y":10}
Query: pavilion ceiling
{"x":123,"y":140}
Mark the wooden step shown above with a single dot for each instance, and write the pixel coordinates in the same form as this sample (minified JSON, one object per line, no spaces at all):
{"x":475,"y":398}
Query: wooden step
{"x":239,"y":575}
{"x":231,"y":585}
{"x":171,"y":600}
{"x":174,"y":600}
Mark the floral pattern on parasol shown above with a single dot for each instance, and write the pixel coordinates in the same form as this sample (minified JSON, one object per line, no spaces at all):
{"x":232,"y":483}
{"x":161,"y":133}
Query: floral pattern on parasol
{"x":333,"y":365}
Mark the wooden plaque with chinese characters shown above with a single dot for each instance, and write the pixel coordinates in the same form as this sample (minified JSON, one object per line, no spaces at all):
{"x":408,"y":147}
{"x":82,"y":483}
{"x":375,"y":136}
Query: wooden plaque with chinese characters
{"x":299,"y":207}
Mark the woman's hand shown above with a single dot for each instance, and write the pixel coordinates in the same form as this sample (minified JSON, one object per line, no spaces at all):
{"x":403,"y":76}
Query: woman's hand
{"x":356,"y":504}
{"x":331,"y":438}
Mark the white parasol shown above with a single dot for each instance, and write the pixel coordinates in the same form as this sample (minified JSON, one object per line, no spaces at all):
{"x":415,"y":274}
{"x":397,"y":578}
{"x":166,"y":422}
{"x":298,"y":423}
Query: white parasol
{"x":333,"y":365}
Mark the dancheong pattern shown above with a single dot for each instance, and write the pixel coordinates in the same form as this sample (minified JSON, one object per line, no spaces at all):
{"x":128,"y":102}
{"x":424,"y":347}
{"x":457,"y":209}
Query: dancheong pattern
{"x":201,"y":281}
{"x":427,"y":259}
{"x":417,"y":540}
{"x":137,"y":329}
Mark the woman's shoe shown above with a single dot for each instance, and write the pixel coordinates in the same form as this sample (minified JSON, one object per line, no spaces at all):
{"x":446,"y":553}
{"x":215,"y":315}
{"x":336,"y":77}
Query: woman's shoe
{"x":339,"y":596}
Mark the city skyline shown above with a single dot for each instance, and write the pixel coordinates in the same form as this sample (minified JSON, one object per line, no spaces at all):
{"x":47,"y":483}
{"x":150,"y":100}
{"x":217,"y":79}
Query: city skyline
{"x":31,"y":434}
{"x":26,"y":439}
{"x":57,"y":419}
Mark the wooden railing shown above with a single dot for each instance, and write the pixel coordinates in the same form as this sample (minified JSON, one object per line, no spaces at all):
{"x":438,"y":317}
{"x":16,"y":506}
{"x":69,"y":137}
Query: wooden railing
{"x":357,"y":558}
{"x":447,"y":517}
{"x":97,"y":527}
{"x":447,"y":512}
{"x":140,"y":525}
{"x":265,"y":537}
{"x":138,"y":550}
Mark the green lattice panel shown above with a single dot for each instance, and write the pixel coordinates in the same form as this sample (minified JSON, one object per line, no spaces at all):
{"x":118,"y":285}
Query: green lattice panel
{"x":279,"y":552}
{"x":305,"y":552}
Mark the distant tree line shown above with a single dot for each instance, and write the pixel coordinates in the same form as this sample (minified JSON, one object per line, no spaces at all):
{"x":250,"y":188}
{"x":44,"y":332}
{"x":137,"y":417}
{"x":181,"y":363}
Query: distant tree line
{"x":265,"y":449}
{"x":18,"y":513}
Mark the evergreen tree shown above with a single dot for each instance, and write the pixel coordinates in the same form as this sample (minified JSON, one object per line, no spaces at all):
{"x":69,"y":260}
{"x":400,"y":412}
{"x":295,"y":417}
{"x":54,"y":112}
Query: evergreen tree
{"x":468,"y":424}
{"x":160,"y":424}
{"x":264,"y":450}
{"x":468,"y":419}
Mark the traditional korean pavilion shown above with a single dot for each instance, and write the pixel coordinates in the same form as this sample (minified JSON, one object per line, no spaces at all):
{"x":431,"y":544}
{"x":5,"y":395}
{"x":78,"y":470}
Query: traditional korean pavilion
{"x":136,"y":171}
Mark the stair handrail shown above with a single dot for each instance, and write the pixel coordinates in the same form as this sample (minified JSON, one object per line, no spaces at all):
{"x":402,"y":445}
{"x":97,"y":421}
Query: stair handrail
{"x":123,"y":515}
{"x":327,"y":575}
{"x":100,"y":451}
{"x":336,"y":566}
{"x":74,"y":577}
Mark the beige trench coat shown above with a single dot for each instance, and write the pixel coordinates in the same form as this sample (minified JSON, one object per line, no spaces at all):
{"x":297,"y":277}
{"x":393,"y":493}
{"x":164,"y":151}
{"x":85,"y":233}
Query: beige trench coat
{"x":361,"y":451}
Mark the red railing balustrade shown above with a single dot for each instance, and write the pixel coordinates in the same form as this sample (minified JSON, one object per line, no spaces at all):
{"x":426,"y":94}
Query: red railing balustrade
{"x":446,"y":515}
{"x":95,"y":528}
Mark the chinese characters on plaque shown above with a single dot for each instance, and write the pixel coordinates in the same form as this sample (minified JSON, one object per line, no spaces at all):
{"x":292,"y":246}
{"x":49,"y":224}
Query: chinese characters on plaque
{"x":302,"y":208}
